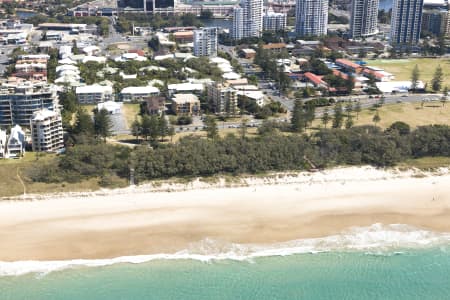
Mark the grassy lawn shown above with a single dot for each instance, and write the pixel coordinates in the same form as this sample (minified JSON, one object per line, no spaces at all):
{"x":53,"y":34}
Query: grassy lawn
{"x":411,"y":113}
{"x":130,"y":112}
{"x":402,"y":68}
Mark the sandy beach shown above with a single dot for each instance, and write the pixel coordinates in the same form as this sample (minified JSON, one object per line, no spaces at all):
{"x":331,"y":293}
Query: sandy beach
{"x":171,"y":217}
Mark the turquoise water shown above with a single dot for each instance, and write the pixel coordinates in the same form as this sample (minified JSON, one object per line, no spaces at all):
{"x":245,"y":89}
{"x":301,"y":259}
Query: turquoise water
{"x":412,"y":274}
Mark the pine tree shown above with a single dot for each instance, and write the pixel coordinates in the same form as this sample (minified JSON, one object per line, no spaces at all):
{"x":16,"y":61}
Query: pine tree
{"x":102,"y":124}
{"x":338,"y":116}
{"x":211,"y":128}
{"x":136,"y":129}
{"x":298,"y":121}
{"x":325,"y":118}
{"x":349,"y":122}
{"x":438,"y":78}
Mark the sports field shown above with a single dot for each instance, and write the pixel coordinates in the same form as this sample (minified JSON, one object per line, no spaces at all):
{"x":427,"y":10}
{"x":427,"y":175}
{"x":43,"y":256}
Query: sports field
{"x":402,"y":68}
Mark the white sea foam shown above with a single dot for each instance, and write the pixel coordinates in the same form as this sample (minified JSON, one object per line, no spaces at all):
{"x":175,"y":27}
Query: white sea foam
{"x":378,"y":238}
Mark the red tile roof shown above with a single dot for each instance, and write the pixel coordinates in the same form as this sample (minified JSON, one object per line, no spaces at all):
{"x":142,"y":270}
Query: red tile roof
{"x":347,"y":63}
{"x":317,"y":80}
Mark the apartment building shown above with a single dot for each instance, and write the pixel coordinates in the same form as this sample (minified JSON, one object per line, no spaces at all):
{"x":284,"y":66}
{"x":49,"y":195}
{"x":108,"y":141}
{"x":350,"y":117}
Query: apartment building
{"x":46,"y":131}
{"x":223,"y":98}
{"x":15,"y":147}
{"x":311,"y":17}
{"x":364,"y":18}
{"x":406,"y":23}
{"x":92,"y":94}
{"x":248,"y":21}
{"x":273,"y":21}
{"x":205,"y":42}
{"x":185,"y":104}
{"x":18,"y":102}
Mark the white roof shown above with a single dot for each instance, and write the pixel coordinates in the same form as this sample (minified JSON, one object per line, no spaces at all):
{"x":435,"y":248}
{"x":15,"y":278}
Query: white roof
{"x":63,"y":68}
{"x":163,"y":57}
{"x":152,"y":68}
{"x":43,"y":114}
{"x":140,"y":90}
{"x":99,"y":59}
{"x":95,"y":88}
{"x":256,"y":95}
{"x":219,"y":60}
{"x":397,"y":86}
{"x":184,"y":98}
{"x":186,"y":86}
{"x":90,"y":49}
{"x":67,"y":61}
{"x":231,"y":76}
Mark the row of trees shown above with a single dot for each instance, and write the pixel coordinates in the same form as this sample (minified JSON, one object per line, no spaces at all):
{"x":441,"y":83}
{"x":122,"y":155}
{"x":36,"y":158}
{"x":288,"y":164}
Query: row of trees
{"x":194,"y":156}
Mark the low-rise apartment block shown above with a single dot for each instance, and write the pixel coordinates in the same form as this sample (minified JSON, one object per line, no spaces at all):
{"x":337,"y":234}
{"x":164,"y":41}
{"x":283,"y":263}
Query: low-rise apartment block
{"x":92,"y":94}
{"x":224,"y":99}
{"x":185,"y":104}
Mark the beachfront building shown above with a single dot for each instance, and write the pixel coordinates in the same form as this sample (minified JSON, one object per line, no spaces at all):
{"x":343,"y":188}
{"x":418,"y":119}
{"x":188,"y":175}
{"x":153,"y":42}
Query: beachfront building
{"x":138,"y":93}
{"x":19,"y":102}
{"x":224,"y":99}
{"x":311,"y":17}
{"x":47,"y":131}
{"x":248,"y":20}
{"x":273,"y":21}
{"x":91,"y":94}
{"x":185,"y":104}
{"x":406,"y":23}
{"x":205,"y":42}
{"x":15,"y":146}
{"x":364,"y":18}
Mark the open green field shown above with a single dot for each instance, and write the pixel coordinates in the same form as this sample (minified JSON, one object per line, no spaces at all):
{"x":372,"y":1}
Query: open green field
{"x":412,"y":113}
{"x":402,"y":68}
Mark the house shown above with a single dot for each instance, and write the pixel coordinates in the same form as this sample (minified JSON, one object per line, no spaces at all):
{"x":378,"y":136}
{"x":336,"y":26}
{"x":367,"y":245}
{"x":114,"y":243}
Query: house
{"x":15,"y":147}
{"x":247,"y":53}
{"x":2,"y":143}
{"x":185,"y":104}
{"x":138,"y":93}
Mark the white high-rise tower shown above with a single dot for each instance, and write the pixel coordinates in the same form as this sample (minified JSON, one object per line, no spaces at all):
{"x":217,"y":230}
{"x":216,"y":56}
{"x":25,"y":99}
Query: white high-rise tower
{"x":364,"y":20}
{"x":248,"y":19}
{"x":311,"y":17}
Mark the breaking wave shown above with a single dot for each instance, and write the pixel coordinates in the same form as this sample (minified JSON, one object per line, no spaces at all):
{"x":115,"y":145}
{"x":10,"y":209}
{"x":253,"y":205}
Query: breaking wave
{"x":377,"y":238}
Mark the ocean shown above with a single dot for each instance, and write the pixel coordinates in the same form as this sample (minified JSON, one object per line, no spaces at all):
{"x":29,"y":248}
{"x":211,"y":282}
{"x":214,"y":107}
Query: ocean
{"x":378,"y":262}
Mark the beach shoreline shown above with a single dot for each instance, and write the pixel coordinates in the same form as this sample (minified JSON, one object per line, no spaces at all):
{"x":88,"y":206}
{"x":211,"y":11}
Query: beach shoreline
{"x":170,"y":217}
